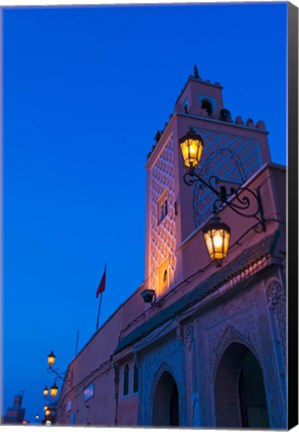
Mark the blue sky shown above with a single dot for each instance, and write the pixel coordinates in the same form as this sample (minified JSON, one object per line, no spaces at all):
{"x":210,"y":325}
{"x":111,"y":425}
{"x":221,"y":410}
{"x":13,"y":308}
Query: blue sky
{"x":85,"y":90}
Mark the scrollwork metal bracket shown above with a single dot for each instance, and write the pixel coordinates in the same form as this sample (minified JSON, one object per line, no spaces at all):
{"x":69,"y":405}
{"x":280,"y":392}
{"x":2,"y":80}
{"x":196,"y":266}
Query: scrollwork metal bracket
{"x":242,"y":200}
{"x":65,"y":377}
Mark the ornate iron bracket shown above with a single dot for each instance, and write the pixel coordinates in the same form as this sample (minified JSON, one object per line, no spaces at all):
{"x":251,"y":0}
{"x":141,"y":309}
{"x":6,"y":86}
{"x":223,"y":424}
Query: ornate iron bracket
{"x":65,"y":376}
{"x":246,"y":203}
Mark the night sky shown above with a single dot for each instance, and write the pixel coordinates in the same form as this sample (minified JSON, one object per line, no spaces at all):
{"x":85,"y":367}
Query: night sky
{"x":85,"y":90}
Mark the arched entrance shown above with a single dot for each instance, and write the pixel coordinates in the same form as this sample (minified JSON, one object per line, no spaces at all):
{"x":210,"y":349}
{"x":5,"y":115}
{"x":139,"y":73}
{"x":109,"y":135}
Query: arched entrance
{"x":166,"y":402}
{"x":240,"y":399}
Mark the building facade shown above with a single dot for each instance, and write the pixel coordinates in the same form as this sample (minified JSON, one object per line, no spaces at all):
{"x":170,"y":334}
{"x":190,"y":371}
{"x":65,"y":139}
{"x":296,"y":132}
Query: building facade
{"x":209,"y":350}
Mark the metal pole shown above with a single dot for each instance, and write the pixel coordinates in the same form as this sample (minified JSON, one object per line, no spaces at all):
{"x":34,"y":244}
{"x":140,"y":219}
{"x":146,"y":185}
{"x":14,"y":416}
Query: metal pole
{"x":99,"y":310}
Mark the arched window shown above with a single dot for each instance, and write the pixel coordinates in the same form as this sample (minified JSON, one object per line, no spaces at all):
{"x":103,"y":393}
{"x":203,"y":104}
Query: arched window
{"x":205,"y":104}
{"x":136,"y":379}
{"x":126,"y":380}
{"x":165,"y":276}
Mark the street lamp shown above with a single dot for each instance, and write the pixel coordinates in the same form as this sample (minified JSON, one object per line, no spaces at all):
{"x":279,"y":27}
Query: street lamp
{"x":217,"y":236}
{"x":242,"y":200}
{"x":53,"y":390}
{"x":191,"y":146}
{"x":51,"y":393}
{"x":51,"y":359}
{"x":62,"y":376}
{"x":49,"y":411}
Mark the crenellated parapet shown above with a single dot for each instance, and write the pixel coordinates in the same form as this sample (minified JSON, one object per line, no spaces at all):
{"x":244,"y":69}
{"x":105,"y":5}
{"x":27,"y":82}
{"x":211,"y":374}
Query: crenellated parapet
{"x":202,"y":99}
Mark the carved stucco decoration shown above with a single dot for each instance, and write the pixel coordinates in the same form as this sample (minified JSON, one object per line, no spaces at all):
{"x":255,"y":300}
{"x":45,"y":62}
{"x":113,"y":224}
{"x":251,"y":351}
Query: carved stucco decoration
{"x":189,"y":336}
{"x":162,"y":236}
{"x":275,"y":294}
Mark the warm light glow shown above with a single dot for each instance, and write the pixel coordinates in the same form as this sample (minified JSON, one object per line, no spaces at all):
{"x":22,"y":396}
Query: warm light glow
{"x":53,"y":391}
{"x":45,"y":391}
{"x":217,"y":236}
{"x":48,"y":412}
{"x":51,"y":359}
{"x":191,"y":148}
{"x":46,"y":407}
{"x":218,"y":240}
{"x":37,"y":417}
{"x":163,"y":278}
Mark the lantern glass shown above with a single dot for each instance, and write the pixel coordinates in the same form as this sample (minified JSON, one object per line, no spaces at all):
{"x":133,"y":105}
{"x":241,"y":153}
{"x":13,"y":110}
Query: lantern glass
{"x":53,"y":391}
{"x":45,"y":391}
{"x":191,"y":148}
{"x":46,"y":407}
{"x":51,"y":359}
{"x":217,"y":237}
{"x":48,"y":412}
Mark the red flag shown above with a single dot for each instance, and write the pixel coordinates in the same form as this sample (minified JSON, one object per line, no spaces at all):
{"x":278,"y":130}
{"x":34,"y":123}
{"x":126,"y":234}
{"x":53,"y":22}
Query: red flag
{"x":102,"y":284}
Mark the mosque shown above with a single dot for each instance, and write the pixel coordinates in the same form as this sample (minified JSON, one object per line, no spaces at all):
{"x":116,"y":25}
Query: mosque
{"x":202,"y":342}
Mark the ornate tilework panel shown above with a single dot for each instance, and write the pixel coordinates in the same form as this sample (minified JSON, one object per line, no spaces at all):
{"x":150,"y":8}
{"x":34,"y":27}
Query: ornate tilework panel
{"x":162,"y":237}
{"x":230,"y":157}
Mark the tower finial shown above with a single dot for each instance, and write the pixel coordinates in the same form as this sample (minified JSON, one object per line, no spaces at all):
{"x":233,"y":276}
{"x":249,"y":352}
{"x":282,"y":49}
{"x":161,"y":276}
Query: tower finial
{"x":195,"y":73}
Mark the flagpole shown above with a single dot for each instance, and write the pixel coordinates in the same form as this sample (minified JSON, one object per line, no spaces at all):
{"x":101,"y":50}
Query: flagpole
{"x":77,"y":341}
{"x":99,"y":310}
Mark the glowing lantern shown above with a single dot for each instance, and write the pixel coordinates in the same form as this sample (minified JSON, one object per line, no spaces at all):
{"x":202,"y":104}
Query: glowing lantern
{"x":51,"y":359}
{"x":217,"y":236}
{"x":191,"y":148}
{"x":45,"y":391}
{"x":53,"y":390}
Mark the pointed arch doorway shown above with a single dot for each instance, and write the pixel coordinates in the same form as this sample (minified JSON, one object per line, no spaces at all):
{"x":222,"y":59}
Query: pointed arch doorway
{"x":166,"y":402}
{"x":240,"y":398}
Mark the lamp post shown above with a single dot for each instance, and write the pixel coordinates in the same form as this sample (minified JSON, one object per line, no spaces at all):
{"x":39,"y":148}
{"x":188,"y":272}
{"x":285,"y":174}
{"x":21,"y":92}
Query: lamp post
{"x":242,"y":200}
{"x":51,"y":394}
{"x":54,"y":388}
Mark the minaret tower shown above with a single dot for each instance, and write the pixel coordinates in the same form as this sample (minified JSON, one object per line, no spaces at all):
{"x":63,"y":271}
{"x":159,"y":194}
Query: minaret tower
{"x":233,"y":148}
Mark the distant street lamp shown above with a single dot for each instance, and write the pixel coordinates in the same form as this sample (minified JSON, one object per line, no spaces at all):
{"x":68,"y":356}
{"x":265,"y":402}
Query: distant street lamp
{"x":249,"y":205}
{"x":53,"y":391}
{"x":62,"y":376}
{"x":51,"y":359}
